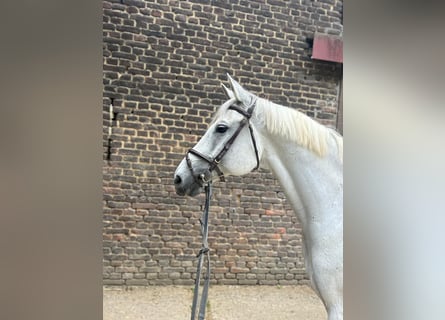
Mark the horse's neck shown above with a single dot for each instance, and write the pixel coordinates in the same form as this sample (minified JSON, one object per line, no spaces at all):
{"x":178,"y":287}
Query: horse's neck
{"x":313,"y":185}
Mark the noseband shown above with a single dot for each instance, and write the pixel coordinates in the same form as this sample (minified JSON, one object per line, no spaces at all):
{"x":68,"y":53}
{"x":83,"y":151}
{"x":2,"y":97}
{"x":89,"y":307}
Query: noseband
{"x":214,"y":162}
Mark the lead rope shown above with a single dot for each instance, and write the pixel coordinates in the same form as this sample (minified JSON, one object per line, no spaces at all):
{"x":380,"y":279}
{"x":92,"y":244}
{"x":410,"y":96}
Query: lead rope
{"x":204,"y":221}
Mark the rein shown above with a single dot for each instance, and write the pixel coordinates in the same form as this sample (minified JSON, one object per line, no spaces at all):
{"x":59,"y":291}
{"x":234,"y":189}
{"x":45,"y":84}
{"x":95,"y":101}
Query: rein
{"x":204,"y":221}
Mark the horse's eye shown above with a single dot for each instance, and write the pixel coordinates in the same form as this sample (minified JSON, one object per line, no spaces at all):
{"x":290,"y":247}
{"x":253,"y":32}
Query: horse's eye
{"x":221,"y":128}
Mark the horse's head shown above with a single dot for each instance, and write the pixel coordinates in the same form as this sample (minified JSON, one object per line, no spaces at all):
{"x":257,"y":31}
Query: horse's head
{"x":229,"y":147}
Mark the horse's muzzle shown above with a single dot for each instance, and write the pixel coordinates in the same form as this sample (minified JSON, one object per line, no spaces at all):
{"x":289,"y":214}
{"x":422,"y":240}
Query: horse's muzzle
{"x":190,"y":185}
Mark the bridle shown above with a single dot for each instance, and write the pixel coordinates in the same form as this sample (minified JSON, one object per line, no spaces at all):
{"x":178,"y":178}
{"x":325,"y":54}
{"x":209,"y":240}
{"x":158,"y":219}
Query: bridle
{"x":213,"y":165}
{"x":214,"y":162}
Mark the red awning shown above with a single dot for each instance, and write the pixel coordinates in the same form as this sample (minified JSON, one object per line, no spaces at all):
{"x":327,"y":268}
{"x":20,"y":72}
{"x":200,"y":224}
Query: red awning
{"x":328,"y":48}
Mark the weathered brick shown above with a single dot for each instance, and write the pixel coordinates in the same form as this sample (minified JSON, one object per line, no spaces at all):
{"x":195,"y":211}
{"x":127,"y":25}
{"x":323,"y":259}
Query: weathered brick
{"x":163,"y":67}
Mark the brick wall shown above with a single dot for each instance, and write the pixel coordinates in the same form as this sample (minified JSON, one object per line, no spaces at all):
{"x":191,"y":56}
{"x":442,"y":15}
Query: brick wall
{"x":164,"y":62}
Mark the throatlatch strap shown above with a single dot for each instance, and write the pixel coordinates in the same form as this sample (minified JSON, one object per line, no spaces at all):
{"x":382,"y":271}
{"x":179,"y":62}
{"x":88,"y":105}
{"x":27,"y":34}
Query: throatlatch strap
{"x":204,"y":251}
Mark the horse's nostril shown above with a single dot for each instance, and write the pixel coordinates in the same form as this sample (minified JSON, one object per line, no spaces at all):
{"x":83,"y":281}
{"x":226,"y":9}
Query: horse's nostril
{"x":177,"y":180}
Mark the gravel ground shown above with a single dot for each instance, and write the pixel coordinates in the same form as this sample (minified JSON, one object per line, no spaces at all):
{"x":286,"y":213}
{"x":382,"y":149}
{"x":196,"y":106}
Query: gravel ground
{"x":225,"y":303}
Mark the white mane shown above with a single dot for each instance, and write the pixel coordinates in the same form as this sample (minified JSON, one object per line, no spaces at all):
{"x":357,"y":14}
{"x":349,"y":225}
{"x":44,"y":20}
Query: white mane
{"x":293,"y":125}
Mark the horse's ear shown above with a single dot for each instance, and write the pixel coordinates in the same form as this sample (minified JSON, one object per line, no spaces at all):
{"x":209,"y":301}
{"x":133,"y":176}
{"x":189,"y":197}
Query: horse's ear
{"x":241,"y":94}
{"x":229,"y":93}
